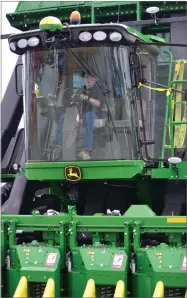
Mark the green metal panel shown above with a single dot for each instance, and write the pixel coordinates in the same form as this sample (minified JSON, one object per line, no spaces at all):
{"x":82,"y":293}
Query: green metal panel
{"x":13,"y":276}
{"x":158,"y":263}
{"x":42,"y":171}
{"x":76,"y":284}
{"x":103,"y":261}
{"x":145,"y":211}
{"x":30,"y":13}
{"x":171,"y":173}
{"x":96,"y":263}
{"x":90,"y":170}
{"x":37,"y":263}
{"x":96,"y":223}
{"x":27,"y":6}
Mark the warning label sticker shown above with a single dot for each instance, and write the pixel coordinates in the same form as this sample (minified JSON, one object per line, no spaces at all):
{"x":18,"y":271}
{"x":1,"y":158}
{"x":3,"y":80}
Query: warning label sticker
{"x":184,"y":264}
{"x":51,"y":259}
{"x":117,"y":261}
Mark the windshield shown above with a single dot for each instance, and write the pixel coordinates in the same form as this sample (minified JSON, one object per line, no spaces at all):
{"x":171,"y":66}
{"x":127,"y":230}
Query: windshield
{"x":86,"y":103}
{"x":75,"y":114}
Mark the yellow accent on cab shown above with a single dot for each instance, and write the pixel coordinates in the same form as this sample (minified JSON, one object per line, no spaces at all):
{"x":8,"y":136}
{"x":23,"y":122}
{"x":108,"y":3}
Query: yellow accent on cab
{"x":176,"y":220}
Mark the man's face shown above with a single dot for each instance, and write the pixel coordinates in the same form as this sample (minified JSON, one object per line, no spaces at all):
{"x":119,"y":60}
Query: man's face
{"x":89,"y":81}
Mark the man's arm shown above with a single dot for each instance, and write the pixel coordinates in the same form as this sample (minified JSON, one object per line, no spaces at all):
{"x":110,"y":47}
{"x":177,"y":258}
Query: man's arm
{"x":93,"y":101}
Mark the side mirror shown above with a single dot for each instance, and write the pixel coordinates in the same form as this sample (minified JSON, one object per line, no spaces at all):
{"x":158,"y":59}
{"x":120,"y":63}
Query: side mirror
{"x":16,"y":78}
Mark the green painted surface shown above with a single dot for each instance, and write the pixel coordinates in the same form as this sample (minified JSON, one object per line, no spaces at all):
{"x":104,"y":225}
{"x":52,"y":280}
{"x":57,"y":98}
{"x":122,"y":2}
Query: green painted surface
{"x":12,"y":278}
{"x":111,"y":236}
{"x":32,"y":12}
{"x":171,"y":173}
{"x":36,"y":263}
{"x":158,"y":263}
{"x":41,"y":222}
{"x":101,"y":170}
{"x":96,"y":263}
{"x":145,"y":211}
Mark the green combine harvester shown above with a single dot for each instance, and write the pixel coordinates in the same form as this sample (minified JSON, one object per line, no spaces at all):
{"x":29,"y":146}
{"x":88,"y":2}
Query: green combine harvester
{"x":94,"y":193}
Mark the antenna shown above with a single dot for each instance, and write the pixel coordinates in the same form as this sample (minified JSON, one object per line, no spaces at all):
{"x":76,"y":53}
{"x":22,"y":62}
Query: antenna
{"x":174,"y":161}
{"x":118,"y":13}
{"x":153,"y":11}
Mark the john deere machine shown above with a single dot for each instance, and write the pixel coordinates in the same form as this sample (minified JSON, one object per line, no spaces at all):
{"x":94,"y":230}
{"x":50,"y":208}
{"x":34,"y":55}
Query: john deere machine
{"x":94,"y":193}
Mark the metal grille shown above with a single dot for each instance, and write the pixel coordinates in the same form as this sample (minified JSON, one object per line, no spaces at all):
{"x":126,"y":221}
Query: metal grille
{"x":37,"y":289}
{"x":105,"y":291}
{"x":174,"y":292}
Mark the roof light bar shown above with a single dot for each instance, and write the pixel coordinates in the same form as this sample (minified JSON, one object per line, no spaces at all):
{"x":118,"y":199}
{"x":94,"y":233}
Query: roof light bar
{"x":115,"y":36}
{"x":85,"y":36}
{"x":12,"y":46}
{"x":33,"y":41}
{"x":22,"y":43}
{"x":99,"y":35}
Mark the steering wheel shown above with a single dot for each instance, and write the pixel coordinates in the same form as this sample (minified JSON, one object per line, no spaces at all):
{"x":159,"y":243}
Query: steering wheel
{"x":75,"y":99}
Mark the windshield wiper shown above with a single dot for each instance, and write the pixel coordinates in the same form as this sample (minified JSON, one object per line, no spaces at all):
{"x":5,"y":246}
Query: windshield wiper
{"x":87,"y":69}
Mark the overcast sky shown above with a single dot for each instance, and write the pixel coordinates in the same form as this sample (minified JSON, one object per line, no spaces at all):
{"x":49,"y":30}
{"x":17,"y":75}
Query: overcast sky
{"x":8,"y":58}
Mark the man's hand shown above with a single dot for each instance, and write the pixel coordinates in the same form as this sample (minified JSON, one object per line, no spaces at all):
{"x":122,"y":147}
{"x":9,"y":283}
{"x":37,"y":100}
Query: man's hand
{"x":83,"y":97}
{"x":73,"y":96}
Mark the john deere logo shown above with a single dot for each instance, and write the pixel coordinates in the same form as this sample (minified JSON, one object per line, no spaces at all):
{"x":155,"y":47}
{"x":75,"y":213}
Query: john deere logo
{"x":72,"y":173}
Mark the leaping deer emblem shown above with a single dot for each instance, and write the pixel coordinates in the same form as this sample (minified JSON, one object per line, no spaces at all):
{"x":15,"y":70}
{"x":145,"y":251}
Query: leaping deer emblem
{"x":73,"y":173}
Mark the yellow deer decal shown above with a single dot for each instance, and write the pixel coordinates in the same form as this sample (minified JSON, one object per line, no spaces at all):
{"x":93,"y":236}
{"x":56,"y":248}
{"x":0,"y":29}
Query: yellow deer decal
{"x":72,"y":173}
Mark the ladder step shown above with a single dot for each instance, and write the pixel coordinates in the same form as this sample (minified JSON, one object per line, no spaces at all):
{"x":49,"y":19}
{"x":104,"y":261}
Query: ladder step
{"x":169,"y":146}
{"x":180,"y":103}
{"x":178,"y":123}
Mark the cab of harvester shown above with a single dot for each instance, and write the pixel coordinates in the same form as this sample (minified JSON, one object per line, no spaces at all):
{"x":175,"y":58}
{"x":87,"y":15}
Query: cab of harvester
{"x":105,"y":131}
{"x":82,"y":95}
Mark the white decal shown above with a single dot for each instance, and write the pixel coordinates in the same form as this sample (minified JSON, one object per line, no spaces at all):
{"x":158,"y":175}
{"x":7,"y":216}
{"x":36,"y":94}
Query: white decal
{"x":51,"y":259}
{"x":117,"y":261}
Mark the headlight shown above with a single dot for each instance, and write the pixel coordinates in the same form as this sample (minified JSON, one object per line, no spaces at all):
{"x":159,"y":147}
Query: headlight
{"x":99,"y":35}
{"x":85,"y":36}
{"x":174,"y":160}
{"x":12,"y":46}
{"x":33,"y":41}
{"x":22,"y":43}
{"x":115,"y":36}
